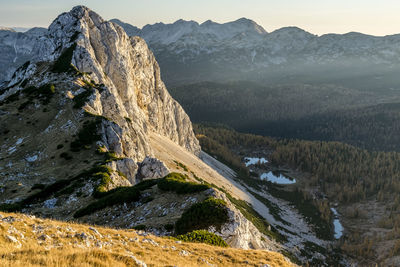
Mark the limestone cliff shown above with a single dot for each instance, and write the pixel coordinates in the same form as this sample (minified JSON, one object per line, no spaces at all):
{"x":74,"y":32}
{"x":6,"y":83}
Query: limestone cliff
{"x":131,"y":75}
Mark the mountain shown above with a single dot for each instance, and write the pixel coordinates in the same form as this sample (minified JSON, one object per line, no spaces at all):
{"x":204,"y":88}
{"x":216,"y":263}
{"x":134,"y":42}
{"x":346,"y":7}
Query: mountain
{"x":16,"y":48}
{"x":91,"y":134}
{"x":242,"y":50}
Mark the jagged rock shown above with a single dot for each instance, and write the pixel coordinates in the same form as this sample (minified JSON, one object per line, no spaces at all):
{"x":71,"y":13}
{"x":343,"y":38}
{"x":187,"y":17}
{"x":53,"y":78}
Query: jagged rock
{"x":12,"y":239}
{"x":152,"y":168}
{"x":127,"y":167}
{"x":151,"y":241}
{"x":44,"y":237}
{"x":9,"y":219}
{"x":95,"y":231}
{"x":138,"y":262}
{"x":82,"y":235}
{"x":184,"y":253}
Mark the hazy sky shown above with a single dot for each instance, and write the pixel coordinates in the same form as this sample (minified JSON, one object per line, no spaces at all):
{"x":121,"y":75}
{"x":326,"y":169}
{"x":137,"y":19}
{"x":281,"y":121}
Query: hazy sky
{"x":378,"y":17}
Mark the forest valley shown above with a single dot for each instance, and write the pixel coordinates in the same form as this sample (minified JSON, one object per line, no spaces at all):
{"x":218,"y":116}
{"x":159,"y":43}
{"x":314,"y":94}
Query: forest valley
{"x":363,"y":185}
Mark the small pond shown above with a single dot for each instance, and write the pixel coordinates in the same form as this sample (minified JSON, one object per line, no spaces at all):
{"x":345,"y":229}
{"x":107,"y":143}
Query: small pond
{"x":277,"y":178}
{"x":336,"y":224}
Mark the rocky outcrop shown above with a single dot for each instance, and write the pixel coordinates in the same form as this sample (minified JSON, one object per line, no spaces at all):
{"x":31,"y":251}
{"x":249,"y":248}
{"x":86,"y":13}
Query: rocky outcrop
{"x":239,"y":232}
{"x":152,"y":168}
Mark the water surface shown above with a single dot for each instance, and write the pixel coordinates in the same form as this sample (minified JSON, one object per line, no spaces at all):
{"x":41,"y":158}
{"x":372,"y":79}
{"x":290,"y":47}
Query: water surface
{"x":281,"y":179}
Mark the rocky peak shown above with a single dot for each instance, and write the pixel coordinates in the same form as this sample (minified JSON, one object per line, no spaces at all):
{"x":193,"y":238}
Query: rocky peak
{"x":133,"y":98}
{"x":131,"y":75}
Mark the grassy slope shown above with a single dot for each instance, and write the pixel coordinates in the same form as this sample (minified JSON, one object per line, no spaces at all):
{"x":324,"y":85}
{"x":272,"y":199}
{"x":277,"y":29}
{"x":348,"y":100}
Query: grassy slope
{"x":63,"y":246}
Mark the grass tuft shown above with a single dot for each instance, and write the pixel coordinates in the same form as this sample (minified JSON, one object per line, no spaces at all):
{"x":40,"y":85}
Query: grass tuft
{"x":210,"y":212}
{"x":203,"y":236}
{"x":177,"y":183}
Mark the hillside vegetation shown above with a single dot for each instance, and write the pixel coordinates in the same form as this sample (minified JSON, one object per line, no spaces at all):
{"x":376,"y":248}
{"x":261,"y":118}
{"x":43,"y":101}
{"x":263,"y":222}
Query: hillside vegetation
{"x":364,"y":184}
{"x":328,"y":112}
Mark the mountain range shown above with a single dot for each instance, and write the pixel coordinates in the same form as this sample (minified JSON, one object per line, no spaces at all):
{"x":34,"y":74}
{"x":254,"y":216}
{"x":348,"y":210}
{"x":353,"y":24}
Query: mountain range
{"x":242,"y":50}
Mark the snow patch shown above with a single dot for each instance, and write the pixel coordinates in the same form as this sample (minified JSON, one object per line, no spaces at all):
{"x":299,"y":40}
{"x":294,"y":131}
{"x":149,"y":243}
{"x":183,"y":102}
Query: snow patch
{"x":252,"y":161}
{"x":11,"y":150}
{"x":19,"y":141}
{"x":50,"y":203}
{"x":32,"y":158}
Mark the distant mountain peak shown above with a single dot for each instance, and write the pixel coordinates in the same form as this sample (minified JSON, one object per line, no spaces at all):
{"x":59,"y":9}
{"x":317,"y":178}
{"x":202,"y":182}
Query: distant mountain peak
{"x":2,"y":28}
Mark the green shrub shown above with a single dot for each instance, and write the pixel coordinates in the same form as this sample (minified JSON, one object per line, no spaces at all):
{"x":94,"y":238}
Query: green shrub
{"x":12,"y":98}
{"x":71,"y":189}
{"x":44,"y":93}
{"x":82,"y":98}
{"x":140,"y":227}
{"x":11,"y":207}
{"x":180,"y":164}
{"x":177,"y":183}
{"x":38,"y":186}
{"x":144,"y":185}
{"x":65,"y":156}
{"x":30,"y":90}
{"x":169,"y":227}
{"x":47,"y":89}
{"x":74,"y":36}
{"x":47,"y":191}
{"x":24,"y":105}
{"x":105,"y":180}
{"x":211,"y":212}
{"x":63,"y":63}
{"x":87,"y":135}
{"x":111,"y":156}
{"x":113,"y":197}
{"x":203,"y":236}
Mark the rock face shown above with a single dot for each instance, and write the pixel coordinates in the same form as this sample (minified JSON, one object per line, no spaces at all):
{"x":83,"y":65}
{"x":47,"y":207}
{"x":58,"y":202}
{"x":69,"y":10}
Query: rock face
{"x":132,"y":77}
{"x":135,"y":97}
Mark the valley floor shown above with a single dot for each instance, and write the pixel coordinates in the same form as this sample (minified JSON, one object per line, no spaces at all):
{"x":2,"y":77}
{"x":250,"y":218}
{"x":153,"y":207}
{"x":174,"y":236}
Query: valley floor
{"x":29,"y":241}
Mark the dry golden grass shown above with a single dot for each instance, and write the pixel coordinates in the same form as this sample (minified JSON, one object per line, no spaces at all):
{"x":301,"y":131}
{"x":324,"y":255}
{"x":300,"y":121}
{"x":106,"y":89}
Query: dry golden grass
{"x":112,"y":247}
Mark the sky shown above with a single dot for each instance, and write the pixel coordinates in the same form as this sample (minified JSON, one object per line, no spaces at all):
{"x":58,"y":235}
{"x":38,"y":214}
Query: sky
{"x":376,"y":17}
